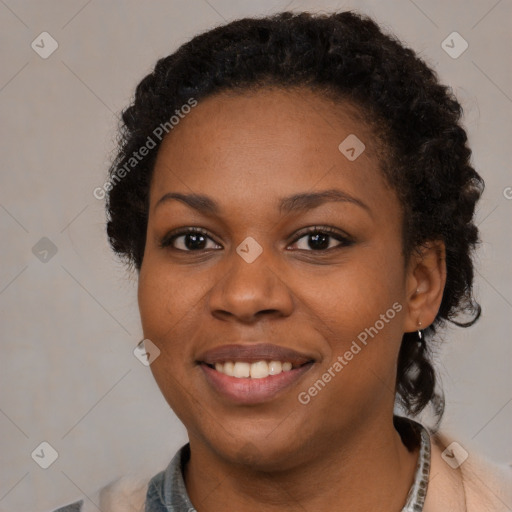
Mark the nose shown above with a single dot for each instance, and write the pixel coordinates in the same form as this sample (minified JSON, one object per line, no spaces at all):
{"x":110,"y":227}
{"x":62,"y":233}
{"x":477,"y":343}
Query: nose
{"x":249,"y":291}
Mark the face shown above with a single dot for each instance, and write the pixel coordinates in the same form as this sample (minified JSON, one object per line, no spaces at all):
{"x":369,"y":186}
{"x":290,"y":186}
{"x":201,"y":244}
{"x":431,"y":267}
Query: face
{"x":297,"y":262}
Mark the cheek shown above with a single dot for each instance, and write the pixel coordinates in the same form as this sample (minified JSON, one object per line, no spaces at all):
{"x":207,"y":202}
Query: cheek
{"x":354,"y":296}
{"x":166,"y":308}
{"x":168,"y":312}
{"x":361,"y":308}
{"x":166,"y":300}
{"x":362,"y":330}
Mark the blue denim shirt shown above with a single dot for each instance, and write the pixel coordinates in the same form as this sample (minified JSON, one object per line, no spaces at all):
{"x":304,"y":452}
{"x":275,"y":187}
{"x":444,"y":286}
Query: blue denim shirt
{"x":167,"y":492}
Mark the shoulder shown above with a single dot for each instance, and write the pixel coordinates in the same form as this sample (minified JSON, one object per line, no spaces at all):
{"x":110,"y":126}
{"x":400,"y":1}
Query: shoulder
{"x":462,"y":479}
{"x":127,"y":493}
{"x":487,"y":482}
{"x":130,"y":492}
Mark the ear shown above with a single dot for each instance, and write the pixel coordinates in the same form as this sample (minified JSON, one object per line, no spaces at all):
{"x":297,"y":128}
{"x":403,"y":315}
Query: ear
{"x":425,"y":281}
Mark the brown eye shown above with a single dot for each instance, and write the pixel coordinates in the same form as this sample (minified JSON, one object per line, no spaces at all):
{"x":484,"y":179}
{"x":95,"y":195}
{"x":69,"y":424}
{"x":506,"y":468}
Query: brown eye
{"x":322,"y":239}
{"x":189,"y":240}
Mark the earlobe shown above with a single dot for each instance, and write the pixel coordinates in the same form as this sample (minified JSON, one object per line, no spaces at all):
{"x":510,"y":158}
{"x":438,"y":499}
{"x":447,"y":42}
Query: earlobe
{"x":426,"y":279}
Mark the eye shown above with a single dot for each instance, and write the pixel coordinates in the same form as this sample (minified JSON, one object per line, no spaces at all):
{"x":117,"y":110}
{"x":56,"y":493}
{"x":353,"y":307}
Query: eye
{"x":188,"y":240}
{"x":321,"y":238}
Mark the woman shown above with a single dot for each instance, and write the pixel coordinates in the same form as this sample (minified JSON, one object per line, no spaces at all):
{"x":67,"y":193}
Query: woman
{"x":296,"y":195}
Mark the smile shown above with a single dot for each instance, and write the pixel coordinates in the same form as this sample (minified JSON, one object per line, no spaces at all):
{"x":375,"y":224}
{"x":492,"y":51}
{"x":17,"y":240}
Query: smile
{"x":252,"y":374}
{"x":257,"y":370}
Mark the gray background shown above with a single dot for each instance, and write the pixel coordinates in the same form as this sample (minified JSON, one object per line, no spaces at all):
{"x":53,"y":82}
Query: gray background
{"x":69,"y":324}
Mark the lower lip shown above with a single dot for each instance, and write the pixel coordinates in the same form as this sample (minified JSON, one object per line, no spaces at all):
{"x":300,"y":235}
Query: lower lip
{"x":252,"y":391}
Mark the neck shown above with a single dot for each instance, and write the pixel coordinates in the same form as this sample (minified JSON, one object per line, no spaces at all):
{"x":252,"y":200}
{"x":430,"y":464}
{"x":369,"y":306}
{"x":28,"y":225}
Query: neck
{"x":370,"y":470}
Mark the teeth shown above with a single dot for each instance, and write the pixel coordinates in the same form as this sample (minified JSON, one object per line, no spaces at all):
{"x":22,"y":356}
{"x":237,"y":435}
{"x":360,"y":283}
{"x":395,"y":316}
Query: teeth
{"x":241,"y":369}
{"x":275,"y":367}
{"x":258,"y":370}
{"x":228,"y":368}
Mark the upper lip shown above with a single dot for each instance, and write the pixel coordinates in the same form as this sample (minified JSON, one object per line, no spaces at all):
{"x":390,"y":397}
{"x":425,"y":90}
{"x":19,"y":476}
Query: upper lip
{"x":253,"y":353}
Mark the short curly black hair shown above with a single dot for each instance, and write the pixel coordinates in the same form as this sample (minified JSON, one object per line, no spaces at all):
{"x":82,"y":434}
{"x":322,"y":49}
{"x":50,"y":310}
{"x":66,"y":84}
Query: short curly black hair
{"x":346,"y":56}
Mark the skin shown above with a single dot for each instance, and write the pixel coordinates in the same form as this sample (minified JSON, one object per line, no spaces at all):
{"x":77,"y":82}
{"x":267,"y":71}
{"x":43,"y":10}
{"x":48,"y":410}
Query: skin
{"x":247,"y":151}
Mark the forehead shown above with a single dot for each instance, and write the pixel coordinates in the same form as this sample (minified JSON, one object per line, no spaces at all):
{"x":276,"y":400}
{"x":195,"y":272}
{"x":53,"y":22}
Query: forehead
{"x":269,"y":143}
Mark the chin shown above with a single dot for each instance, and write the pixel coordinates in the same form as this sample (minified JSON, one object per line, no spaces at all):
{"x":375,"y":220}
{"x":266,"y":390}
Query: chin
{"x":261,"y":452}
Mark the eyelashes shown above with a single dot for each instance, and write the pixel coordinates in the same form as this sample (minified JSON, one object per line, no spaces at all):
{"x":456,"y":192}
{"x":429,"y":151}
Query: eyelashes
{"x":168,"y":240}
{"x":320,"y":234}
{"x":200,"y":237}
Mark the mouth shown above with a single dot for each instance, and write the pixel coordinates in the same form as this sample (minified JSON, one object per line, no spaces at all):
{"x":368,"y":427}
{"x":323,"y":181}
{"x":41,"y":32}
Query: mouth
{"x":257,"y":370}
{"x":251,"y":374}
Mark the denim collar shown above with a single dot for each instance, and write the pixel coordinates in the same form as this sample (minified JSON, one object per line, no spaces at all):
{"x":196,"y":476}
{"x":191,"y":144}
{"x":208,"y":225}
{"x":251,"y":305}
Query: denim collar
{"x":167,"y":491}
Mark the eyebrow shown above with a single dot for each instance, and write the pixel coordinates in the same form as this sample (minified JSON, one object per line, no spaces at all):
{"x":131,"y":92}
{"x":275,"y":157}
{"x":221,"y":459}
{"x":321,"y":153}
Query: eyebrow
{"x":295,"y":203}
{"x":310,"y":200}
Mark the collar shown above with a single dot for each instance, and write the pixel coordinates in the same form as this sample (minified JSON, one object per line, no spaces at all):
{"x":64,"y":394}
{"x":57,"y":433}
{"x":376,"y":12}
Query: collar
{"x":167,"y":491}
